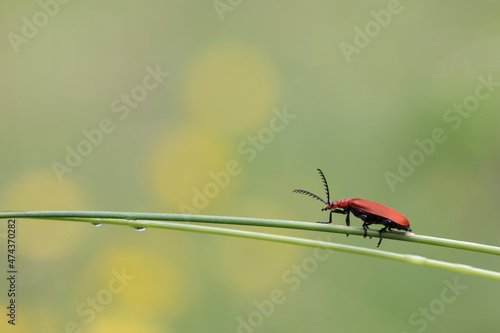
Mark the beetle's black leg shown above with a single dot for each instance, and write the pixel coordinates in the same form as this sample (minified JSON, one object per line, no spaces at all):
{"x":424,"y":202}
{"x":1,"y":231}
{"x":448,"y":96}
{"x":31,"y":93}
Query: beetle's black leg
{"x":329,"y":220}
{"x":367,"y":220}
{"x":365,"y":227}
{"x":347,"y":220}
{"x":336,"y":210}
{"x":380,"y":234}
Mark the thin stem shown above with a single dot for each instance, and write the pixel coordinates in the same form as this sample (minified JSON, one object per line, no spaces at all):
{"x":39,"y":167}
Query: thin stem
{"x":328,"y":246}
{"x":408,"y":237}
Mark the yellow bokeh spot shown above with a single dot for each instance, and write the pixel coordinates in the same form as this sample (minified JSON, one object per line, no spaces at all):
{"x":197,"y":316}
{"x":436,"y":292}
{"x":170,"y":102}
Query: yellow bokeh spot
{"x":230,"y":87}
{"x":122,"y":325}
{"x":252,"y":266}
{"x":180,"y":164}
{"x":20,"y":326}
{"x":41,"y":190}
{"x":155,"y":284}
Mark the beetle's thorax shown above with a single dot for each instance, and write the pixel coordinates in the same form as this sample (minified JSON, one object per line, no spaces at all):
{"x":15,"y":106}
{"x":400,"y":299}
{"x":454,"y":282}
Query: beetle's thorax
{"x":343,"y":203}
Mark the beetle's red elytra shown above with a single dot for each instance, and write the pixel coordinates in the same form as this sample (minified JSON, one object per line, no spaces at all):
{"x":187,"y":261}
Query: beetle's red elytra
{"x":368,"y":211}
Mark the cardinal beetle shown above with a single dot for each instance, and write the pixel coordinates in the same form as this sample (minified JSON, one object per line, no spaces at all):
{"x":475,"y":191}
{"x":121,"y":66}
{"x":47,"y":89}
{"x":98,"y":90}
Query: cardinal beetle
{"x":370,"y":212}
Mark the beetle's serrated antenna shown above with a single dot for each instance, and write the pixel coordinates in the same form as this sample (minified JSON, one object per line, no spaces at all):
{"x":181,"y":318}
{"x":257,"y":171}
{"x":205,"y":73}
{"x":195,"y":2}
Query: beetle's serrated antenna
{"x":326,"y":185}
{"x":310,"y":194}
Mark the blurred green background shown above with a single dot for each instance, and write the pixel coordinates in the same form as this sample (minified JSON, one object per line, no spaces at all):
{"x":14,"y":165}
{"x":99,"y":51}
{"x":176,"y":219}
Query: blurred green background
{"x":270,"y":91}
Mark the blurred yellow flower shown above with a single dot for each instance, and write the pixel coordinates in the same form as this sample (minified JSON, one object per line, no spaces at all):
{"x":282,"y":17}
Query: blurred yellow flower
{"x":230,"y":87}
{"x":41,"y":190}
{"x":123,"y":325}
{"x":152,"y":284}
{"x":180,"y":163}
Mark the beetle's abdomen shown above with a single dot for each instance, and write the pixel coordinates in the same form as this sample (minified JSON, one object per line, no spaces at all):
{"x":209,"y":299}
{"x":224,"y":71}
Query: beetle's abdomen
{"x":374,"y":208}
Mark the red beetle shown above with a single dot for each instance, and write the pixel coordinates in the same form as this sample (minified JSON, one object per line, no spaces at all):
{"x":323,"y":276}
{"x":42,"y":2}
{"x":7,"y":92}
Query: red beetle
{"x":370,"y":212}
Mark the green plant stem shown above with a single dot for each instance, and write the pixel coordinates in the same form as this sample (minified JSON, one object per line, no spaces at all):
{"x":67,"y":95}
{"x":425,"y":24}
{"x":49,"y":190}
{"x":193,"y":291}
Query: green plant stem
{"x":136,"y":217}
{"x":327,"y":246}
